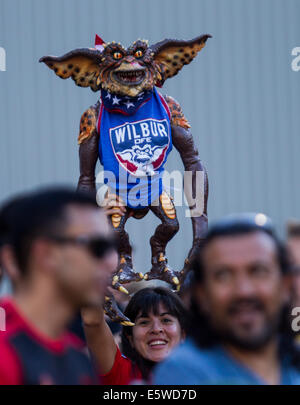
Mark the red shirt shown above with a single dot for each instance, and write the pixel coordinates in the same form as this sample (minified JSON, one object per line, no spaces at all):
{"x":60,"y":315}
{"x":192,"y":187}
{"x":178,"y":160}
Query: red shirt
{"x":123,"y":372}
{"x":28,"y":357}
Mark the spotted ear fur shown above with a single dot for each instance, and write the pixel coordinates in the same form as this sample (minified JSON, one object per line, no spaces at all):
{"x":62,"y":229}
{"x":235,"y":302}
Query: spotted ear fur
{"x":88,"y":123}
{"x":83,"y":65}
{"x":171,"y":55}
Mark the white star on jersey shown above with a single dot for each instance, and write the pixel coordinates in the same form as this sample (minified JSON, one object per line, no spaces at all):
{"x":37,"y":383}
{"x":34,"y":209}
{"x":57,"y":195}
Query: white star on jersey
{"x":116,"y":100}
{"x":108,"y":95}
{"x":129,"y":104}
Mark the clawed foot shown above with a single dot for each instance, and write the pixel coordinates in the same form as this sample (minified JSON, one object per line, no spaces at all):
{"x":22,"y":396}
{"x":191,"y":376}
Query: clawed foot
{"x":186,"y":268}
{"x":188,"y":263}
{"x":125,"y":274}
{"x":161,"y":271}
{"x":115,"y":314}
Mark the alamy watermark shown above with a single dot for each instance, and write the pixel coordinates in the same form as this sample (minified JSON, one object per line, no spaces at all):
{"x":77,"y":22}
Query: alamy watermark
{"x":296,"y":61}
{"x":186,"y":189}
{"x":2,"y":60}
{"x":296,"y":321}
{"x":2,"y":320}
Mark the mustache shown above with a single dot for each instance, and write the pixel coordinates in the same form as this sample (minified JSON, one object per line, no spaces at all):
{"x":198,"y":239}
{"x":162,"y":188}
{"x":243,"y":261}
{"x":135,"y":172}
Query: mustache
{"x":249,"y":303}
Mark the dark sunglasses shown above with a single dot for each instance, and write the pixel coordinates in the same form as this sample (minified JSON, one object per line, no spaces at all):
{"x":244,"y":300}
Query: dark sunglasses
{"x":98,"y":246}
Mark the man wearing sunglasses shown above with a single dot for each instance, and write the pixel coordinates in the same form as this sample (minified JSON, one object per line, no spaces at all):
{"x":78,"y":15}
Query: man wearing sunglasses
{"x":65,"y":252}
{"x":240,"y":330}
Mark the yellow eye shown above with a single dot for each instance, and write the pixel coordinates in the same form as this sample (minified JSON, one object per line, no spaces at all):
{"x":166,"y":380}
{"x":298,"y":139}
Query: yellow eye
{"x":138,"y":54}
{"x":118,"y":55}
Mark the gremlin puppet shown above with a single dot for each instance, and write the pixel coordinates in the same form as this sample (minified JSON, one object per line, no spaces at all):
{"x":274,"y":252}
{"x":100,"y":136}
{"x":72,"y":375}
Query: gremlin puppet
{"x":132,"y":129}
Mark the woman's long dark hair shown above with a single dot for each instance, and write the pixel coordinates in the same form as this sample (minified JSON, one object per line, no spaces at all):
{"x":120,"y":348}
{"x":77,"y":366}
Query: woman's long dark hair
{"x":144,"y":302}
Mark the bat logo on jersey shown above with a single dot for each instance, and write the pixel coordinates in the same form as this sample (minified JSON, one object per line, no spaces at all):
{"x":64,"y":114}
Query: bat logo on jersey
{"x":141,"y":146}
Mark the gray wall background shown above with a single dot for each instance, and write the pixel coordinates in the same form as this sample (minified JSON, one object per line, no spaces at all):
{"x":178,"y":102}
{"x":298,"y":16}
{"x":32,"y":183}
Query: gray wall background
{"x":240,"y":96}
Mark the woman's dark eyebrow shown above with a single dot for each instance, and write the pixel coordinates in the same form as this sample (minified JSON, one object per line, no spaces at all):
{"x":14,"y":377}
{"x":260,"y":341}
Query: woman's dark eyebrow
{"x":142,"y":316}
{"x":147,"y":316}
{"x":165,"y":313}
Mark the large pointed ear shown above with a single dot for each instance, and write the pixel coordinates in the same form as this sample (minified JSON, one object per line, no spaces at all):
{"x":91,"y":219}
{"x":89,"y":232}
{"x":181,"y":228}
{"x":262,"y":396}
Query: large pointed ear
{"x":83,"y":65}
{"x":171,"y":55}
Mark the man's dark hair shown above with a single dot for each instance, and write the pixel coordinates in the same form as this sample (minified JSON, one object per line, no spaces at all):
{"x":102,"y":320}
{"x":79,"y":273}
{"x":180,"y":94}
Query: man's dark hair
{"x":7,"y":215}
{"x":38,"y":214}
{"x":293,"y":229}
{"x":8,"y":212}
{"x":238,"y":225}
{"x":200,"y":329}
{"x":147,"y":301}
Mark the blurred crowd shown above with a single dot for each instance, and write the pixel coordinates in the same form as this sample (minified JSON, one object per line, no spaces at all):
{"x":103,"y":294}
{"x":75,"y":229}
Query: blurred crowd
{"x":234,"y":320}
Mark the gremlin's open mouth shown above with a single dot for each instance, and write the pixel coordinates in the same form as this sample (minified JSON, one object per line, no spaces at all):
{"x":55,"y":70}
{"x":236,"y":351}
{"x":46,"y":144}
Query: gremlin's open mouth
{"x":130,"y":77}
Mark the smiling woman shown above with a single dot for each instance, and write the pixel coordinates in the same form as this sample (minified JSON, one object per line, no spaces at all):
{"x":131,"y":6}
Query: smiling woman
{"x":159,"y":318}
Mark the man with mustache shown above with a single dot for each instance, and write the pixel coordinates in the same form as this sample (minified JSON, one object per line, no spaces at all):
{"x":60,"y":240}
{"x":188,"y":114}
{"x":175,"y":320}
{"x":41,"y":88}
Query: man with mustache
{"x":239,"y":332}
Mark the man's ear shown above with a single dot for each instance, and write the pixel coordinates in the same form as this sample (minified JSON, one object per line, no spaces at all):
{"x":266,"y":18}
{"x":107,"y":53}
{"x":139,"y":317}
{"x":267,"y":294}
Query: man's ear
{"x":9,"y":263}
{"x":170,"y":55}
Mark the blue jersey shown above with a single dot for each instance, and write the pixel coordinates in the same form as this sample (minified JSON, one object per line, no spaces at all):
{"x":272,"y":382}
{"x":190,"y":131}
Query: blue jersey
{"x":135,"y":140}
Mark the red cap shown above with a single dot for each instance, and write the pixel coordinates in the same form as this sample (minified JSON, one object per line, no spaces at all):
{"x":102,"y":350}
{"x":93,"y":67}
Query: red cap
{"x":98,"y":42}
